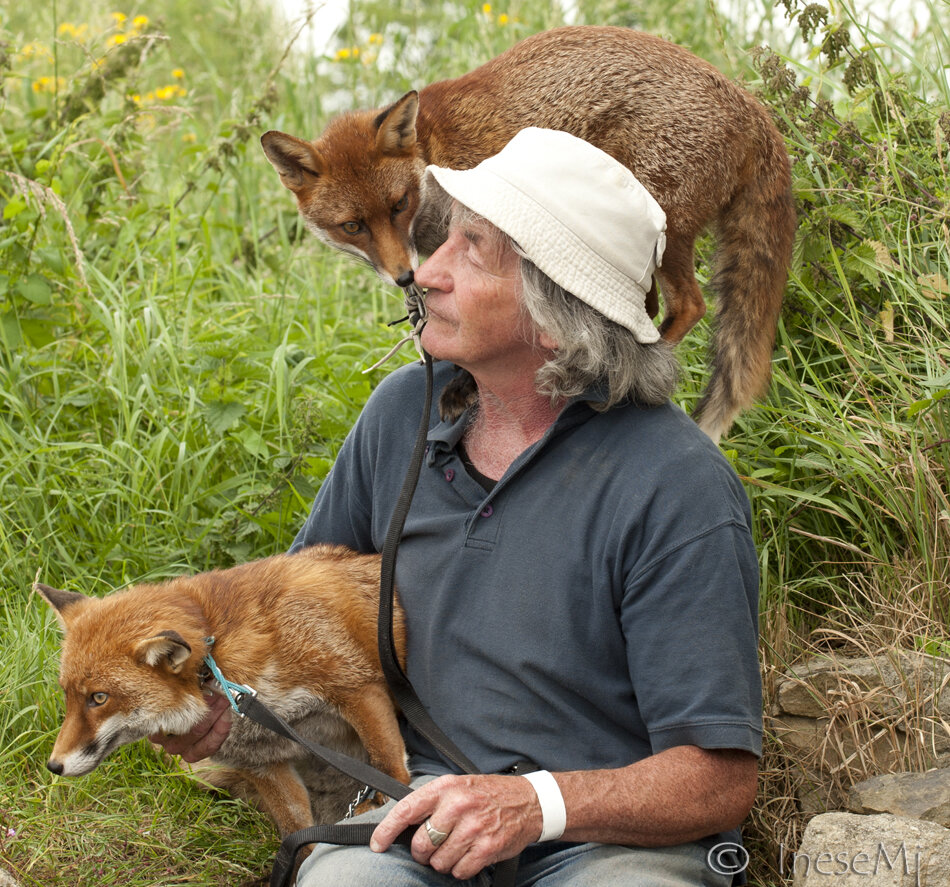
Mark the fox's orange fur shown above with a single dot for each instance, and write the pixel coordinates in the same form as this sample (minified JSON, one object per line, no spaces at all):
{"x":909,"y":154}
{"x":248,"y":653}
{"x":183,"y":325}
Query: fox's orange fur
{"x":300,"y":629}
{"x":704,"y":147}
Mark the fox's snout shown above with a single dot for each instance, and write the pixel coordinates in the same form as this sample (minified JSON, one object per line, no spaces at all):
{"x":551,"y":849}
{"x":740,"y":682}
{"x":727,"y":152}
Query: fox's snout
{"x":73,"y":765}
{"x":78,"y":760}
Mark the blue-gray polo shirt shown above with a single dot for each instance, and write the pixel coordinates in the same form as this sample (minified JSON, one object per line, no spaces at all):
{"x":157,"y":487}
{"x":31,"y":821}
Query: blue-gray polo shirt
{"x":595,"y":607}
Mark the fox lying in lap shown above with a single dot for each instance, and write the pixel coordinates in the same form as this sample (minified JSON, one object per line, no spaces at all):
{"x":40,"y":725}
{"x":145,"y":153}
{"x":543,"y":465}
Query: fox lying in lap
{"x":300,"y":629}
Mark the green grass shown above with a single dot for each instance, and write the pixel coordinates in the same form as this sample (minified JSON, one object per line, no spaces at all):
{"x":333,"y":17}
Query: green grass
{"x":179,"y":361}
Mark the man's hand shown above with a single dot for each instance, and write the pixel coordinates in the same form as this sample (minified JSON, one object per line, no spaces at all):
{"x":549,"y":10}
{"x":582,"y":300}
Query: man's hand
{"x":206,"y":737}
{"x":487,"y":818}
{"x":673,"y":796}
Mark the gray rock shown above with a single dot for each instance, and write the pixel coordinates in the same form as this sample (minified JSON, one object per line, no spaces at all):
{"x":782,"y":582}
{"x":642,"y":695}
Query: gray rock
{"x":915,"y":795}
{"x":849,"y":850}
{"x":885,"y":683}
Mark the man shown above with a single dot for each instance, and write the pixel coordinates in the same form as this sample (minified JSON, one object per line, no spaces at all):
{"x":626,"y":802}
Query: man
{"x":577,"y":567}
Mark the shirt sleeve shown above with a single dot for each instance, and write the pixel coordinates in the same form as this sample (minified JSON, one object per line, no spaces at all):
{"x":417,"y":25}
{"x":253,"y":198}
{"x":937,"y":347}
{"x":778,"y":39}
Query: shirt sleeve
{"x":690,"y":617}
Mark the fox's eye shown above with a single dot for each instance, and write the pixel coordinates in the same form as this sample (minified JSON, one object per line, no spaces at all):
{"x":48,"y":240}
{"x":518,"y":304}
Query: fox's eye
{"x":401,"y":204}
{"x":98,"y":698}
{"x":351,"y":227}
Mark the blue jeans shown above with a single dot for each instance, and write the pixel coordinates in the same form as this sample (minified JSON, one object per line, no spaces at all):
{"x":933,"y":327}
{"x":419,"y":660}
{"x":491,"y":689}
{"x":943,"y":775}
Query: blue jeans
{"x":555,"y":864}
{"x":542,"y":865}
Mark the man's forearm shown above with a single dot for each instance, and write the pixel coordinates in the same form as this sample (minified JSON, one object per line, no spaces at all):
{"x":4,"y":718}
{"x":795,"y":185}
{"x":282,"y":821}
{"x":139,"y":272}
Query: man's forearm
{"x":678,"y":795}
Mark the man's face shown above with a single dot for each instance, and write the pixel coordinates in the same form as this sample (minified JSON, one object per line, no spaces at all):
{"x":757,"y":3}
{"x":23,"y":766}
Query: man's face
{"x":475,"y":314}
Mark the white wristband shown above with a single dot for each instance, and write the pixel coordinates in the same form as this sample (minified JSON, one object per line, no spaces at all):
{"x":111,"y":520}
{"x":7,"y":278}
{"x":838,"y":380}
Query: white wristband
{"x":553,"y":814}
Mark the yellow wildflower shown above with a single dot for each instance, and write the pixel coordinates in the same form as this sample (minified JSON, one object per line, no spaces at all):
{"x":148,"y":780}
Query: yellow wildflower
{"x":178,"y":73}
{"x":70,"y":31}
{"x":167,"y":93}
{"x":375,"y":39}
{"x":140,"y":22}
{"x":486,"y":8}
{"x":119,"y":18}
{"x":503,"y":19}
{"x":36,"y":50}
{"x":49,"y":84}
{"x":343,"y":53}
{"x":116,"y":40}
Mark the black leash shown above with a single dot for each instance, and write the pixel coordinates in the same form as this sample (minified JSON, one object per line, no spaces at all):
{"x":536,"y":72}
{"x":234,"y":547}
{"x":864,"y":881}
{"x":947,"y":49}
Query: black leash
{"x":404,"y":693}
{"x":355,"y":833}
{"x":363,"y":773}
{"x":402,"y":689}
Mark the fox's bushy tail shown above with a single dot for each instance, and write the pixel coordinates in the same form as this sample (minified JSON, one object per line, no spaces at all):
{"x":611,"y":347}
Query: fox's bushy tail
{"x":755,"y":235}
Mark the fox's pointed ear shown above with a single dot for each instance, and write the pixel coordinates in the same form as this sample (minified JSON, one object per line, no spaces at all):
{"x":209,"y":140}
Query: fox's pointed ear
{"x":64,"y":603}
{"x":167,"y":648}
{"x":295,"y":160}
{"x":396,"y":125}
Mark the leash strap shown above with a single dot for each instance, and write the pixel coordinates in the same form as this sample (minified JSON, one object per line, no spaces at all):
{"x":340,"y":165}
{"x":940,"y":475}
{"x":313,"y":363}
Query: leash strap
{"x":412,"y":708}
{"x":363,"y":773}
{"x":403,"y":691}
{"x":355,"y":834}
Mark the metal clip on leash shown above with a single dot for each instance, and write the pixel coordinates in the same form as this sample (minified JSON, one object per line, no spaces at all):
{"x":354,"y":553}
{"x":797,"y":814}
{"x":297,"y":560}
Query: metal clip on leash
{"x":417,"y":316}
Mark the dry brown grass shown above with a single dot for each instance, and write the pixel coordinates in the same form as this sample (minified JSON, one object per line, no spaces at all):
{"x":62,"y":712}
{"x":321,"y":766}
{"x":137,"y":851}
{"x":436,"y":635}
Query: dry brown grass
{"x":867,"y":726}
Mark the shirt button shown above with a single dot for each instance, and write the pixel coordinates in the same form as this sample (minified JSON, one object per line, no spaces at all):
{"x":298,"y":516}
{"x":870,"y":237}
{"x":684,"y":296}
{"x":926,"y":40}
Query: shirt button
{"x":488,"y":511}
{"x":450,"y":474}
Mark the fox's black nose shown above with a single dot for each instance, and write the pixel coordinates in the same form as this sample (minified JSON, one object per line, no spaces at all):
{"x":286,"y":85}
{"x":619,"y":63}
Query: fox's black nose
{"x":405,"y":278}
{"x":55,"y":766}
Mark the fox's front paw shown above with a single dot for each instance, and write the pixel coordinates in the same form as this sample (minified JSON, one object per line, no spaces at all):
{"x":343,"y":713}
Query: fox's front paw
{"x":373,"y":802}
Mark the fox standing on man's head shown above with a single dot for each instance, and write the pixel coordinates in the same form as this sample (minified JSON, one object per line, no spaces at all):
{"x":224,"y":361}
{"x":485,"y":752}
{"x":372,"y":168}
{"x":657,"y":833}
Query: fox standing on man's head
{"x":705,"y":148}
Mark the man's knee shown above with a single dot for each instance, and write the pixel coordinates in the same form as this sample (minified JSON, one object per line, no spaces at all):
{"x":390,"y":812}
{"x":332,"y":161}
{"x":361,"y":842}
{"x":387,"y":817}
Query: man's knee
{"x":359,"y":866}
{"x":609,"y":865}
{"x":341,"y":866}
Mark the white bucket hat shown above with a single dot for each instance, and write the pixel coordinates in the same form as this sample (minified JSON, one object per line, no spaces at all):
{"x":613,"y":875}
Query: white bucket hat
{"x":582,"y":217}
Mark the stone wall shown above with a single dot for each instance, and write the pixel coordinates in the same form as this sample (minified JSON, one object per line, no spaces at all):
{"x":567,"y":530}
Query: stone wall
{"x":872,"y":738}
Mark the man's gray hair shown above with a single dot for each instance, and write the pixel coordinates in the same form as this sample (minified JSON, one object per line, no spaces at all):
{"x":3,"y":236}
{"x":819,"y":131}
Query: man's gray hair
{"x":592,"y":349}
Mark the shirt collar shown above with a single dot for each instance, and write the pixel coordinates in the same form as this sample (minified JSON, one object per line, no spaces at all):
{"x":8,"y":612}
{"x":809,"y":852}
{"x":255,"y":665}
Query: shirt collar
{"x":445,"y":436}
